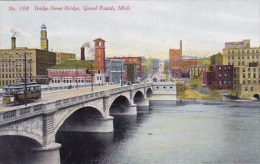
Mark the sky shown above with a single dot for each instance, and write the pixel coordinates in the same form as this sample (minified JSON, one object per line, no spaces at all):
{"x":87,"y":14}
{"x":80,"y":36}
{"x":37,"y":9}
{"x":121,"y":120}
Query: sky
{"x":149,"y":28}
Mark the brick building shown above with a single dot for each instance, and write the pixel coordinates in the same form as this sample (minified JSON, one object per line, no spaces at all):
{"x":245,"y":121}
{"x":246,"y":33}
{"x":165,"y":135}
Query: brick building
{"x":12,"y":67}
{"x":69,"y":72}
{"x":175,"y":58}
{"x":100,"y":56}
{"x":219,"y":77}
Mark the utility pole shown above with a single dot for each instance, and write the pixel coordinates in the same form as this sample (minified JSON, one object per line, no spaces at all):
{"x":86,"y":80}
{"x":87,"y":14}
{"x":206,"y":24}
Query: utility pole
{"x":30,"y":70}
{"x":121,"y":75}
{"x":25,"y":80}
{"x":91,"y":76}
{"x":77,"y":77}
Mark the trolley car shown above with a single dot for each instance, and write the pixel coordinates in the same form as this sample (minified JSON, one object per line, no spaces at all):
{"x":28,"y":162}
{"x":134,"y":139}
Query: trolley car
{"x":14,"y":93}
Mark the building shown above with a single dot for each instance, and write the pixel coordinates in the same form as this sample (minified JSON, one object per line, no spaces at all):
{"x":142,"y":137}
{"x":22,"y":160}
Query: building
{"x":70,"y":72}
{"x":195,"y":74}
{"x":175,"y":56}
{"x":100,"y":56}
{"x":219,"y":77}
{"x":245,"y":60}
{"x":131,"y":72}
{"x":159,"y":75}
{"x":175,"y":59}
{"x":216,"y":59}
{"x":240,"y":53}
{"x":12,"y":67}
{"x":133,"y":60}
{"x":176,"y":73}
{"x":115,"y":71}
{"x":247,"y":81}
{"x":62,"y":56}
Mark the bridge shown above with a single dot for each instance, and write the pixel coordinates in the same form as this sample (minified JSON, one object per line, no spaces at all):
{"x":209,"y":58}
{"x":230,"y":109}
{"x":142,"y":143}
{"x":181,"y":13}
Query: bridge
{"x":78,"y":110}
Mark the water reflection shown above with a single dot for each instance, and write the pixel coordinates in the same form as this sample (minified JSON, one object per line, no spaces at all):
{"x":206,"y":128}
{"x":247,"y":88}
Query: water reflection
{"x":188,"y":132}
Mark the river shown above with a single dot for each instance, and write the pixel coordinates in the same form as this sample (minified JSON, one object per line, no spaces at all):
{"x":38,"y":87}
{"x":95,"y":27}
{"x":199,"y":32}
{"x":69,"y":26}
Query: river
{"x":225,"y":132}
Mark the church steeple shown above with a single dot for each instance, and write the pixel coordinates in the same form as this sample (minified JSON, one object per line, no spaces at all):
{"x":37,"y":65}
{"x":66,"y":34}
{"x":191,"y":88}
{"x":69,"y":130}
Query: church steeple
{"x":44,"y":39}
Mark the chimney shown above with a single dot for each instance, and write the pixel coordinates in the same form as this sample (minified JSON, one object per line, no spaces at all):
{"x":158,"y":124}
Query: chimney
{"x":82,"y":53}
{"x":13,"y":43}
{"x":181,"y":46}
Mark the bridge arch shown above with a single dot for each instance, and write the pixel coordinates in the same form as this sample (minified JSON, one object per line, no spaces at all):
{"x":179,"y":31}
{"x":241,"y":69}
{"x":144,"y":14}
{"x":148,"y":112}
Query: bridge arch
{"x":118,"y":104}
{"x":23,"y":134}
{"x":80,"y":113}
{"x":256,"y":96}
{"x":138,"y":96}
{"x":17,"y":148}
{"x":149,"y":92}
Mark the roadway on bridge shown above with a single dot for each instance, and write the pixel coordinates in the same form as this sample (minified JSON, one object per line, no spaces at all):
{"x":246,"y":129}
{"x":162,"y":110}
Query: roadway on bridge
{"x":60,"y":95}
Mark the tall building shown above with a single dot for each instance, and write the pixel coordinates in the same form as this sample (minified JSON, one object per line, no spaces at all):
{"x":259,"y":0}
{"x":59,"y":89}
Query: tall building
{"x":12,"y":67}
{"x":133,"y":60}
{"x":246,"y":62}
{"x":100,"y":56}
{"x":175,"y":56}
{"x":115,"y":71}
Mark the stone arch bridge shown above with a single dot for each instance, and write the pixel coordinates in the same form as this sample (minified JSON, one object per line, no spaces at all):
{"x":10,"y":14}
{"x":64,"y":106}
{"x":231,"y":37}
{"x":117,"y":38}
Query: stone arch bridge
{"x":91,"y":112}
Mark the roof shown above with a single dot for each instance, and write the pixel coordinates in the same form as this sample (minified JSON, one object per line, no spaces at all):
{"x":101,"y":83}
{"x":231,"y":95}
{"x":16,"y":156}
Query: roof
{"x":43,"y":26}
{"x":99,"y":39}
{"x":73,"y":64}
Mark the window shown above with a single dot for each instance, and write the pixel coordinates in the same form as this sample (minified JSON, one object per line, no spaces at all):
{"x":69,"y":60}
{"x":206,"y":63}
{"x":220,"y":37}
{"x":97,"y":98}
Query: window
{"x":245,"y":88}
{"x":251,"y":88}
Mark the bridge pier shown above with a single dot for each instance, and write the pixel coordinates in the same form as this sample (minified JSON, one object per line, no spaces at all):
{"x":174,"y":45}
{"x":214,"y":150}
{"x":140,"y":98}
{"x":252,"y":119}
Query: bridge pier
{"x":143,"y":105}
{"x":45,"y":154}
{"x":90,"y":124}
{"x":124,"y":110}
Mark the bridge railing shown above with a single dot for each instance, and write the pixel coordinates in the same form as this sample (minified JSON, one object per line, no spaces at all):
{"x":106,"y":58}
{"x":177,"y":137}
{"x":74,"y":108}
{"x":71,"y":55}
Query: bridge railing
{"x":36,"y":109}
{"x":24,"y":112}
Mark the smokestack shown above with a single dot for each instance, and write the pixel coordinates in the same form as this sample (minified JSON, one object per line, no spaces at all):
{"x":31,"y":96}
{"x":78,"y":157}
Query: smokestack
{"x":181,"y":46}
{"x":82,"y":53}
{"x":13,"y":44}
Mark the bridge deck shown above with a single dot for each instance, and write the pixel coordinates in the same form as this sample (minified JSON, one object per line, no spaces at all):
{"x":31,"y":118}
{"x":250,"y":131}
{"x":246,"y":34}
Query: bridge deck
{"x":54,"y":96}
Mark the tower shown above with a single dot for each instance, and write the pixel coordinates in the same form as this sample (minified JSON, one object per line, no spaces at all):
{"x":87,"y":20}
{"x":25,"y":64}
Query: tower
{"x":44,"y":39}
{"x":100,"y":56}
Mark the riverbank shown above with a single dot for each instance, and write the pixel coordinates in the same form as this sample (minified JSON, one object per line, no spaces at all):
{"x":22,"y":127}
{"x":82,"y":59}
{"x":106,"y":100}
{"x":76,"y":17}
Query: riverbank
{"x":184,"y":92}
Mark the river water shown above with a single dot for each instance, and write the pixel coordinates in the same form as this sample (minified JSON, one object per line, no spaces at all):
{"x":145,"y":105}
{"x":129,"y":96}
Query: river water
{"x":185,"y":133}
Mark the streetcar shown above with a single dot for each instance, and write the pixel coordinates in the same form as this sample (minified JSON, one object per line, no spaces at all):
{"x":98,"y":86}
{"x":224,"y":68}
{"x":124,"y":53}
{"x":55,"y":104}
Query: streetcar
{"x":13,"y":94}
